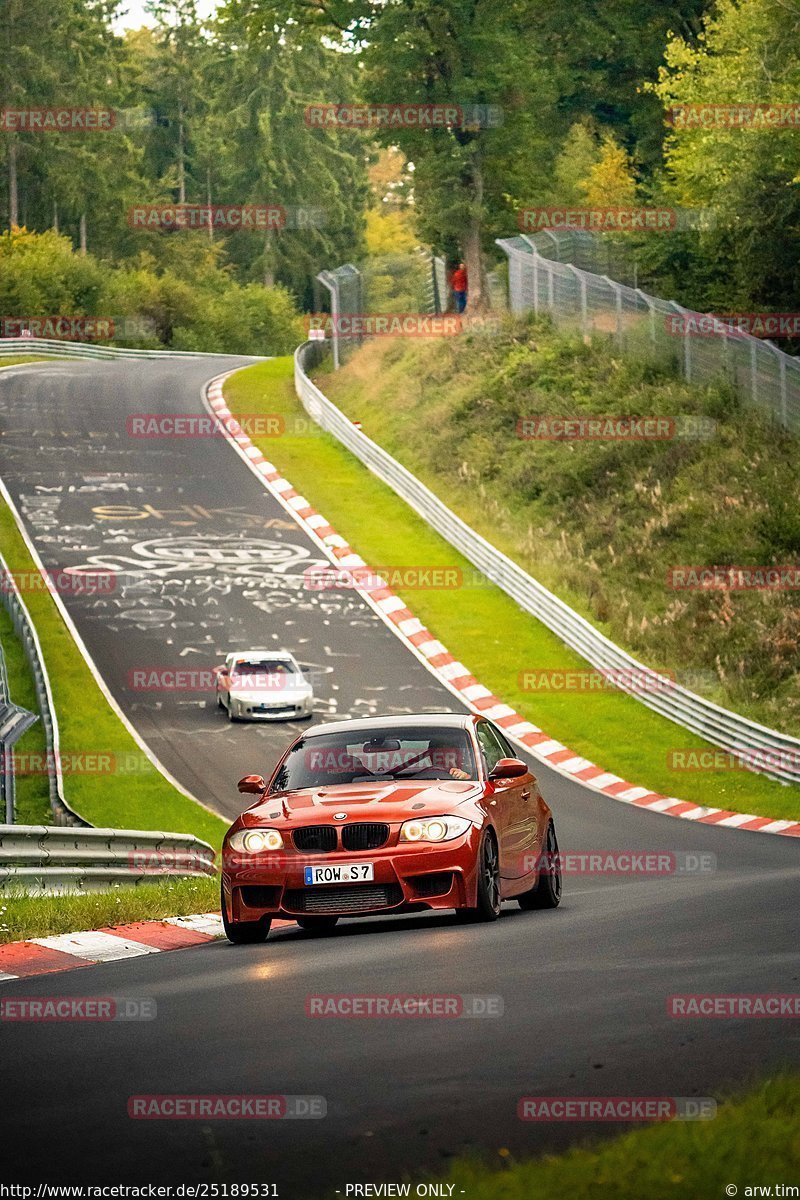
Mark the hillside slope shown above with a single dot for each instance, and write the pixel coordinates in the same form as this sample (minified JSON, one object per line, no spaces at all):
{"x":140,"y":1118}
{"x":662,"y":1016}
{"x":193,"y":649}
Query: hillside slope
{"x":603,"y":522}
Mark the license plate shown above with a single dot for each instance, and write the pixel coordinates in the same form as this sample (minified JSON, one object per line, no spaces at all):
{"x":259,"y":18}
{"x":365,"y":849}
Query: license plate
{"x":340,"y":873}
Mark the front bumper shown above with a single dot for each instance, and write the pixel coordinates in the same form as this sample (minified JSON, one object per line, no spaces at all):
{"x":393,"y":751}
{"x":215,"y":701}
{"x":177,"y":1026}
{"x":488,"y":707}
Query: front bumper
{"x":407,"y":878}
{"x":245,"y":710}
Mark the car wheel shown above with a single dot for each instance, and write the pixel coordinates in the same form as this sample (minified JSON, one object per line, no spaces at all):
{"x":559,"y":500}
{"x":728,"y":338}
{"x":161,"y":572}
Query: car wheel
{"x":243,"y":933}
{"x":546,"y":892}
{"x":488,"y":897}
{"x":317,"y":924}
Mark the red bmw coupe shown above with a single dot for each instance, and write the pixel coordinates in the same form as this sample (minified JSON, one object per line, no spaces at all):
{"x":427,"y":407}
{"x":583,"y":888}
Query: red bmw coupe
{"x":389,"y":815}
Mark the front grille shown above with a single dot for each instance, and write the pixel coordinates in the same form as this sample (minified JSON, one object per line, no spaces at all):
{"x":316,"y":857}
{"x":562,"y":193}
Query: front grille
{"x":342,"y":899}
{"x":260,"y":897}
{"x":368,"y":836}
{"x":315,"y":839}
{"x":437,"y":883}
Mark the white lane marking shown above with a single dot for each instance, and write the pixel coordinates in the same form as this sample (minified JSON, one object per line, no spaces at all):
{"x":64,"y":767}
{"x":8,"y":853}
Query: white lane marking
{"x":210,"y":923}
{"x":632,"y":793}
{"x":95,"y":945}
{"x":453,"y":670}
{"x":776,"y":826}
{"x":410,"y":626}
{"x":573,"y":765}
{"x":430,"y":650}
{"x":605,"y":780}
{"x":497,"y":711}
{"x":737,"y":819}
{"x":691,"y":814}
{"x":548,"y":748}
{"x":392,"y":604}
{"x":5,"y":975}
{"x":663,"y":805}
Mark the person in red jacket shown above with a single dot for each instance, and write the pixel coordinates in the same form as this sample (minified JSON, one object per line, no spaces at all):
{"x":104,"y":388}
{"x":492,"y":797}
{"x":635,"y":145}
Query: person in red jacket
{"x":459,"y":285}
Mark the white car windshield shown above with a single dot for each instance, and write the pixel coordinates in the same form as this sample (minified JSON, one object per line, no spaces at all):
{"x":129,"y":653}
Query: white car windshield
{"x":252,"y":667}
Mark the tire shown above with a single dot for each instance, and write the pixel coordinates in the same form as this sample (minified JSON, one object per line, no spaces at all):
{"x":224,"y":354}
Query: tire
{"x":243,"y":933}
{"x":546,"y":892}
{"x":317,"y":924}
{"x":488,"y":893}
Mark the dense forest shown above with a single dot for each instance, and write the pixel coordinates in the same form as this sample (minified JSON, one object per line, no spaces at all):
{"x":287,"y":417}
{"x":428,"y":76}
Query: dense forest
{"x":216,"y":113}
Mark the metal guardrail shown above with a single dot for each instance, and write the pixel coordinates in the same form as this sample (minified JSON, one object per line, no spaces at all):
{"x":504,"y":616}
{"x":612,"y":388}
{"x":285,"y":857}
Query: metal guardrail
{"x":765,"y":750}
{"x":63,"y":349}
{"x":52,"y":861}
{"x":15,"y":606}
{"x":14,"y":722}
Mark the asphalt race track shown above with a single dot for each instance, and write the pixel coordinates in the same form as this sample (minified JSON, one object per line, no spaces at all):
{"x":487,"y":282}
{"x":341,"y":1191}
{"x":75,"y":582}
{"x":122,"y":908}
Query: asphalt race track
{"x":212,"y":563}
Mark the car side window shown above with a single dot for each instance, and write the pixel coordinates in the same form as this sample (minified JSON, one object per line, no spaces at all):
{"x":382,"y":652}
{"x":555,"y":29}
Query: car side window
{"x":491,"y":749}
{"x":508,"y":750}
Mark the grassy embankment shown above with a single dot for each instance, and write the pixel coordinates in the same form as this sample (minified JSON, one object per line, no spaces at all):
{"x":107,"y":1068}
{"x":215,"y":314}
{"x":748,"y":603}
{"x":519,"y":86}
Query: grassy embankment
{"x":753,"y":1142}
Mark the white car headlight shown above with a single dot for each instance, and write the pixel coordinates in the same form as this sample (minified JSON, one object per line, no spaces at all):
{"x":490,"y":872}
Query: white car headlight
{"x":255,"y":841}
{"x":434,"y":829}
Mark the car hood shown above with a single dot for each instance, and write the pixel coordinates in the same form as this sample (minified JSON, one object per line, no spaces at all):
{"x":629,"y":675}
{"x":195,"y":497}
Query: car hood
{"x":379,"y":801}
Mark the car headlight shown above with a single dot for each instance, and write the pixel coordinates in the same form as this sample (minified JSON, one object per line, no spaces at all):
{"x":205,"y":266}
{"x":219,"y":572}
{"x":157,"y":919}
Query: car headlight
{"x":255,"y":841}
{"x":434,"y":829}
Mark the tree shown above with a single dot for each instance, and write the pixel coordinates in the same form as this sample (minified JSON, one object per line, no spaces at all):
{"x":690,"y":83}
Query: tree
{"x":609,"y":182}
{"x":748,"y":177}
{"x":271,"y":69}
{"x":463,"y":53}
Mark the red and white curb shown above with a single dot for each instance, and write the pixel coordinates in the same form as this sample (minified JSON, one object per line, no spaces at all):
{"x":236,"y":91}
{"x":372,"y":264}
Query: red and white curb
{"x":66,"y":951}
{"x":452,"y":673}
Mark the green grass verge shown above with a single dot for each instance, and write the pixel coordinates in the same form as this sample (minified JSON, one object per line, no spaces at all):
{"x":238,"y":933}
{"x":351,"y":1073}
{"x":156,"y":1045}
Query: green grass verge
{"x":40,"y":916}
{"x":14,"y":360}
{"x":480,"y":624}
{"x":132,"y":794}
{"x":752,"y":1142}
{"x":32,"y":789}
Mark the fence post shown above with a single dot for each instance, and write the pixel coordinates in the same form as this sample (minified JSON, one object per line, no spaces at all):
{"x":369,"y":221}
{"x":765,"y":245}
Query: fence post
{"x":651,"y":309}
{"x":581,"y":278}
{"x":535,"y":267}
{"x":754,"y":371}
{"x":331,"y":285}
{"x":781,"y":357}
{"x":726,"y":354}
{"x":687,"y":349}
{"x":617,"y":290}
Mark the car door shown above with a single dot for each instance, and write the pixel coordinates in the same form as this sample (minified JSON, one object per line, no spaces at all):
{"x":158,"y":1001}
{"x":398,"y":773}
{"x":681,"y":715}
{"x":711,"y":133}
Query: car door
{"x":505,"y":804}
{"x":529,"y":813}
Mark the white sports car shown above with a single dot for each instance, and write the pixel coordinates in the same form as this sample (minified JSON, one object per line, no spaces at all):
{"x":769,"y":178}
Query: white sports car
{"x":263,"y":685}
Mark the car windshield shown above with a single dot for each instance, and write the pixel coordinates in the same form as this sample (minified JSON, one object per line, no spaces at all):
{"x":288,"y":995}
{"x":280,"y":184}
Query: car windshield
{"x":352,"y":756}
{"x":250,"y":668}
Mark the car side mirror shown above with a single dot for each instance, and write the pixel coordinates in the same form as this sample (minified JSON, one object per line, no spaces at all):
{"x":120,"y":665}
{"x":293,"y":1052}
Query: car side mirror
{"x":508,"y":768}
{"x":252,"y":784}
